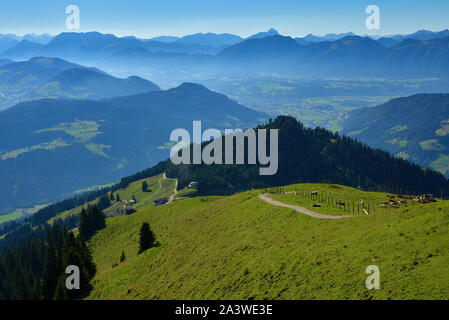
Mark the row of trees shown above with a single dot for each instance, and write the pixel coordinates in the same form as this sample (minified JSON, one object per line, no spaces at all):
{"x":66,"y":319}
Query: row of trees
{"x":116,"y":198}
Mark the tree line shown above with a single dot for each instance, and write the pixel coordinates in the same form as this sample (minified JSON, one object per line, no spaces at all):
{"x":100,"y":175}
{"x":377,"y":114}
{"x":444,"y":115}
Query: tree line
{"x":311,"y":156}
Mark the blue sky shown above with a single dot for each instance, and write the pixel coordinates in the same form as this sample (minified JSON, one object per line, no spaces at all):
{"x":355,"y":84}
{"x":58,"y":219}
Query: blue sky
{"x":148,"y":18}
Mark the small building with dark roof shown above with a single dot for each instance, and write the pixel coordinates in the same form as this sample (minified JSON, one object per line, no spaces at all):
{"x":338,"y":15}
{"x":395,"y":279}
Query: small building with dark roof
{"x":160,"y":201}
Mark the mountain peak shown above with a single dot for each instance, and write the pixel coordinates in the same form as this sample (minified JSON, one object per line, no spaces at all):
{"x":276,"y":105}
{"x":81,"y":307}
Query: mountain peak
{"x":191,"y":86}
{"x":45,"y":60}
{"x":269,"y":33}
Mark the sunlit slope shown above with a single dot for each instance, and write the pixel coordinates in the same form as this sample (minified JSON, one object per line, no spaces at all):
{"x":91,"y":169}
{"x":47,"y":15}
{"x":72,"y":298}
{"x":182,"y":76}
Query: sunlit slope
{"x":240,"y":247}
{"x":158,"y":187}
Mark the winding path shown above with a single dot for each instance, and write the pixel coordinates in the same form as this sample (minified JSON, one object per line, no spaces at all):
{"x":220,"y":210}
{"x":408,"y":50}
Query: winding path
{"x":299,"y":209}
{"x":175,"y":190}
{"x":152,"y":196}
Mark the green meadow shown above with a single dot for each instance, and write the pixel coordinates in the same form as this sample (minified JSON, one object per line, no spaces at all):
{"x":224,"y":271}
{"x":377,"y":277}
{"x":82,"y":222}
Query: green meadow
{"x":12,"y":216}
{"x":240,"y":247}
{"x":158,"y":187}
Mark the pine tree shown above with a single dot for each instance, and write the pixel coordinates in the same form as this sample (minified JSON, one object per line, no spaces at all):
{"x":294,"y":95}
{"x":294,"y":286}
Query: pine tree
{"x":22,"y":291}
{"x":144,"y":186}
{"x":84,"y":227}
{"x":111,"y":198}
{"x":104,"y":202}
{"x":50,"y":273}
{"x":91,"y":220}
{"x":117,"y":197}
{"x":122,"y":257}
{"x":99,"y":221}
{"x":61,"y":292}
{"x":146,"y":237}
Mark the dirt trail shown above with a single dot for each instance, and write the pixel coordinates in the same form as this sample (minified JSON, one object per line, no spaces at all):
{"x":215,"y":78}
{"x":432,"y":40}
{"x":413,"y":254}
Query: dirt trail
{"x":156,"y":192}
{"x":175,"y":190}
{"x":299,"y":209}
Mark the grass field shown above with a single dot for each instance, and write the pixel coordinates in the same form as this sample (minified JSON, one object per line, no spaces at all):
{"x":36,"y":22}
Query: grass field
{"x":158,"y":187}
{"x":18,"y":213}
{"x":329,"y":194}
{"x":44,"y":146}
{"x":239,"y":247}
{"x":12,"y":216}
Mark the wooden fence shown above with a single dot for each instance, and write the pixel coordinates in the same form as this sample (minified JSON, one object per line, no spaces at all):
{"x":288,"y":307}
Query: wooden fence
{"x":350,"y":206}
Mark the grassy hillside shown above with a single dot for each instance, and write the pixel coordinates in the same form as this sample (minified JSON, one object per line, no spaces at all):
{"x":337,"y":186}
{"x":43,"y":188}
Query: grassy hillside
{"x":239,"y":247}
{"x":19,"y":213}
{"x":329,"y":194}
{"x":11,"y":216}
{"x":158,"y":186}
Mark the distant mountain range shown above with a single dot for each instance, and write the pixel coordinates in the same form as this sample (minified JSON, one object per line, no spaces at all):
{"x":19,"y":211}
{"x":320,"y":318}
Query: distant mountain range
{"x":55,"y":147}
{"x":422,"y":35}
{"x":349,"y":56}
{"x":56,"y":78}
{"x":23,"y":50}
{"x":271,"y":32}
{"x":211,"y":39}
{"x":37,"y":38}
{"x":414,"y":128}
{"x":94,"y":46}
{"x":421,"y":54}
{"x":214,"y":39}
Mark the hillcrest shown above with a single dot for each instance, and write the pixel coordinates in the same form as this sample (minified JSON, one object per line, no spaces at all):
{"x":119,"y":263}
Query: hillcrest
{"x":212,"y":152}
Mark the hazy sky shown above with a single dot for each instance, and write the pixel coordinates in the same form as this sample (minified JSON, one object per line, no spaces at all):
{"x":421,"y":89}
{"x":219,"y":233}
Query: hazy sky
{"x":148,"y":18}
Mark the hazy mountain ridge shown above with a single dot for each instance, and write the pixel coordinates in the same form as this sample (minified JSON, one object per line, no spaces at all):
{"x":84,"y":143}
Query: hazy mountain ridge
{"x":23,"y":50}
{"x":207,"y":54}
{"x":42,"y":77}
{"x":88,"y":84}
{"x":414,"y":128}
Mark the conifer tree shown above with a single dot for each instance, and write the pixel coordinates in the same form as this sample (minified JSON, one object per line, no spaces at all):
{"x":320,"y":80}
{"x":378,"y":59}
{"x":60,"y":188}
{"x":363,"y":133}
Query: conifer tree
{"x":146,"y":237}
{"x":104,"y":202}
{"x":91,"y":220}
{"x":84,"y":224}
{"x":61,"y":292}
{"x":50,"y":272}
